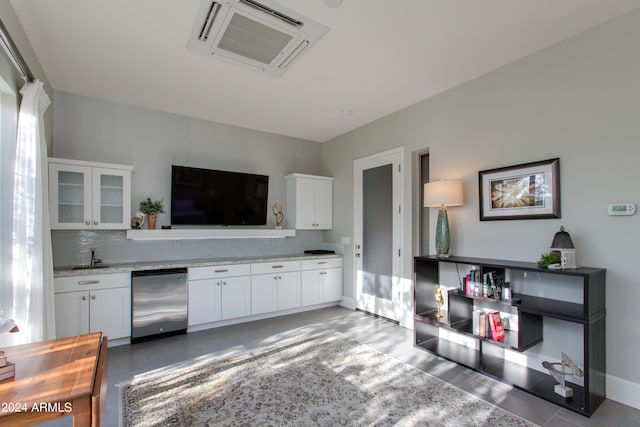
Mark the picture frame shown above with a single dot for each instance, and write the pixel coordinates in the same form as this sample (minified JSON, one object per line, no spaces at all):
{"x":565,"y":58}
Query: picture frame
{"x":525,"y":191}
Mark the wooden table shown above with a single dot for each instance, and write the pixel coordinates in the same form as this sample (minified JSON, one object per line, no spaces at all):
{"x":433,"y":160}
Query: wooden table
{"x":53,"y":379}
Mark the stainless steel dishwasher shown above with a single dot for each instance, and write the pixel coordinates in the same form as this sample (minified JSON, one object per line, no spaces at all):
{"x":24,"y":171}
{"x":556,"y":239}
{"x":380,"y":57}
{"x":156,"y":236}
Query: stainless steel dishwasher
{"x":158,"y":303}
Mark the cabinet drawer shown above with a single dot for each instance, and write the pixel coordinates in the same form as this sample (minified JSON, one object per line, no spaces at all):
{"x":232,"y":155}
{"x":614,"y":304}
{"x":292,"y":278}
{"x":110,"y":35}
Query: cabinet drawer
{"x":277,"y":266}
{"x":231,"y":270}
{"x":89,"y":283}
{"x":317,"y":264}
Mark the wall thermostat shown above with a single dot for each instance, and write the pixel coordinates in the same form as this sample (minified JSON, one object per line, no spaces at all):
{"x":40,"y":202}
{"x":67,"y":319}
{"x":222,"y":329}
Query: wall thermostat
{"x":622,"y":209}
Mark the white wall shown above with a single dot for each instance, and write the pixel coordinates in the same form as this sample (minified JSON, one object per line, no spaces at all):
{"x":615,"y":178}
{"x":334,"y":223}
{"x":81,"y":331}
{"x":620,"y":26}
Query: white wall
{"x":102,"y":131}
{"x":579,"y":101}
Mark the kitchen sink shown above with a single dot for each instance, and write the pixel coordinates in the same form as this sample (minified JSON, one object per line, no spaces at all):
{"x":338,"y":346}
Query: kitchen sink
{"x":89,"y":267}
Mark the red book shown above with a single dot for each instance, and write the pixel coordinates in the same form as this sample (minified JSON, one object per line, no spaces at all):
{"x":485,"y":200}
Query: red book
{"x":468,"y":285}
{"x":495,"y":324}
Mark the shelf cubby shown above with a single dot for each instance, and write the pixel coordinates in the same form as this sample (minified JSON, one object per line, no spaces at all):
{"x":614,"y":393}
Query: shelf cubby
{"x":585,"y":308}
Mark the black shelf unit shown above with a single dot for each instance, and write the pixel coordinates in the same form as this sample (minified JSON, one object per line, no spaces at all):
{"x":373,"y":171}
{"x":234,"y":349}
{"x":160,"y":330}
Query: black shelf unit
{"x":589,"y":315}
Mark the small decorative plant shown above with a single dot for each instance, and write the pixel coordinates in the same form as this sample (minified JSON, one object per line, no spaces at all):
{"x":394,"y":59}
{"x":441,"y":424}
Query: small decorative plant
{"x":150,"y":209}
{"x":548,"y":259}
{"x":148,"y":206}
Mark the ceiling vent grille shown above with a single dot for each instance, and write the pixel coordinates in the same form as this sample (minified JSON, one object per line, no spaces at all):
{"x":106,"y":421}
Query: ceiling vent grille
{"x":264,"y":36}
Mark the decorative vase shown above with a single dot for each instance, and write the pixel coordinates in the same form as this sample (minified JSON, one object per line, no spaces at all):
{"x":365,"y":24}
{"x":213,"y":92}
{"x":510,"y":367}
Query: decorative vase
{"x":151,"y":221}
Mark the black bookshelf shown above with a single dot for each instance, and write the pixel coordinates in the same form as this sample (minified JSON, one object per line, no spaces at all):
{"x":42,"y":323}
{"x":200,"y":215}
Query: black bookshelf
{"x":530,"y":310}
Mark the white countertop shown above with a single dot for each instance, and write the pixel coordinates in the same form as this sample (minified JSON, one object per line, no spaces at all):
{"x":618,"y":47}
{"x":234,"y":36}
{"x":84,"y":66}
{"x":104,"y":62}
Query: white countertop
{"x":155,"y":265}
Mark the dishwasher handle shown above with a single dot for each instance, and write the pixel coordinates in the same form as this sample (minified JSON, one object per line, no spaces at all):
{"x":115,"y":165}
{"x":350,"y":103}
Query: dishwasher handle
{"x":159,"y":272}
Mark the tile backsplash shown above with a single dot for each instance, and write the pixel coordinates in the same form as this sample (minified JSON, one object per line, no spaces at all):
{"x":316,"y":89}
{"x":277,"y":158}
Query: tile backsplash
{"x":72,"y":247}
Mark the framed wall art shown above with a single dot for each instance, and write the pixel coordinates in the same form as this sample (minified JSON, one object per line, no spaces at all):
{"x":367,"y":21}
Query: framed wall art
{"x":526,"y":191}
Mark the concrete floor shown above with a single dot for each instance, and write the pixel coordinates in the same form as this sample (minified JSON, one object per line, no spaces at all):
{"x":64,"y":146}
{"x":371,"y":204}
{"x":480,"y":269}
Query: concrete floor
{"x":126,"y":361}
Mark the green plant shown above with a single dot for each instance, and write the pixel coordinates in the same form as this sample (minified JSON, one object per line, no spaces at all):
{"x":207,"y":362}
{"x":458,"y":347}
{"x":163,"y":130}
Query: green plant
{"x":150,"y":207}
{"x":548,"y":259}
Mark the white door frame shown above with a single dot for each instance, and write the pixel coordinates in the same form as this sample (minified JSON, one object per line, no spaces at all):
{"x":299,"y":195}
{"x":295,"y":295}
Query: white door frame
{"x":394,"y":156}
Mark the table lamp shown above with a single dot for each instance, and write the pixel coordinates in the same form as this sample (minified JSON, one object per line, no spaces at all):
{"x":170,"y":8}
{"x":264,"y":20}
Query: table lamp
{"x":442,"y":194}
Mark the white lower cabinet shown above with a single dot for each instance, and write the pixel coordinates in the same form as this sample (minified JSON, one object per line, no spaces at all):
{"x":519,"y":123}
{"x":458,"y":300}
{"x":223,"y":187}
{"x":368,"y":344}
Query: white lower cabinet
{"x":93,"y":303}
{"x":102,"y":302}
{"x":275,"y":286}
{"x":321,"y":280}
{"x":219,"y":293}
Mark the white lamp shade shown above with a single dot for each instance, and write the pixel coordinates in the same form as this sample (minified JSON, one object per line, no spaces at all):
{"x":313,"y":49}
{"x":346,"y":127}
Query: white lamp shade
{"x":439,"y":193}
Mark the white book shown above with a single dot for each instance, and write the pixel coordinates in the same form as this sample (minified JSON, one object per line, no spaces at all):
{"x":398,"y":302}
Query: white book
{"x":476,"y":322}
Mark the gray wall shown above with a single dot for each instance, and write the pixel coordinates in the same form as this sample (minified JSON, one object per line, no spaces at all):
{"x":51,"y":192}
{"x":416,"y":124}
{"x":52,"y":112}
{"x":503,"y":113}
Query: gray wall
{"x":579,"y":101}
{"x":95,"y":130}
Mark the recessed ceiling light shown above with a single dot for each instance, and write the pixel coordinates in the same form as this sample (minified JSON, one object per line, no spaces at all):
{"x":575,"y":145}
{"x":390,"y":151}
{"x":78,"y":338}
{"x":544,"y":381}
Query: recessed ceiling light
{"x":347,"y":112}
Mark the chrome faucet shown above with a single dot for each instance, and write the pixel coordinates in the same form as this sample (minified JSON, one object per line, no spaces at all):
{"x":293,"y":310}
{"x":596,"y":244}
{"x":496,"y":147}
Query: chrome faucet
{"x":94,"y":260}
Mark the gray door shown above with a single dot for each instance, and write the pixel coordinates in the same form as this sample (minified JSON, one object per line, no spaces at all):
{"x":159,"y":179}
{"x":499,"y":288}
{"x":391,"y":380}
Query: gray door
{"x":377,"y":230}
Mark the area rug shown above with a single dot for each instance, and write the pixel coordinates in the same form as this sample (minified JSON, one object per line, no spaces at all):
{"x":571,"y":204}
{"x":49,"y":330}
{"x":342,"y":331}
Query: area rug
{"x":326,"y":380}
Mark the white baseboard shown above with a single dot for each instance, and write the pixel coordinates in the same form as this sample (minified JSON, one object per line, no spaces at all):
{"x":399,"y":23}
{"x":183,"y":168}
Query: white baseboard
{"x":623,"y":391}
{"x":348,"y":302}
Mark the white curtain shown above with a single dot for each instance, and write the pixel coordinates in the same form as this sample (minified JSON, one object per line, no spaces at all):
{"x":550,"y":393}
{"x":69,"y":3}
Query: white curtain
{"x":33,"y":301}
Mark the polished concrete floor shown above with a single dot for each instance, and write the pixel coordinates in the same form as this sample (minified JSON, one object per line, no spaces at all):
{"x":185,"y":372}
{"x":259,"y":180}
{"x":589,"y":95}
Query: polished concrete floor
{"x":128,"y":360}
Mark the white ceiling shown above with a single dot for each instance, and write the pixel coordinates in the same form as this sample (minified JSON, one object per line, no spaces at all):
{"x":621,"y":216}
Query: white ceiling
{"x":378,"y":57}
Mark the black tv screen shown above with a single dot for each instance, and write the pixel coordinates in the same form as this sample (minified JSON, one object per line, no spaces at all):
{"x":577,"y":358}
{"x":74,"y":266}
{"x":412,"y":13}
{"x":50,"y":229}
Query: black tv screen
{"x":215,"y":197}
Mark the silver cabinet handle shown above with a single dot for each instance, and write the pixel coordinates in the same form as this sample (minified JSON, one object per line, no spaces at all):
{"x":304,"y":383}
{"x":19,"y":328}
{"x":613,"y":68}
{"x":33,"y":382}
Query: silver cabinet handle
{"x":95,"y":222}
{"x":88,"y":282}
{"x":87,"y":222}
{"x":93,"y":297}
{"x":322,"y":262}
{"x":84,"y":298}
{"x":277,"y":266}
{"x":220,"y":271}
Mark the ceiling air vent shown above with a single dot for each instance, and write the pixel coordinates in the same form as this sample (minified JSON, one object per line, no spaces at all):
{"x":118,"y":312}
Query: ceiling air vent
{"x":264,"y":36}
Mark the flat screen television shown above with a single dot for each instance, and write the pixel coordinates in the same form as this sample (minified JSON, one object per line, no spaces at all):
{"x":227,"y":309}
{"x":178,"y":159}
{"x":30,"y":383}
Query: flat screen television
{"x":216,"y":197}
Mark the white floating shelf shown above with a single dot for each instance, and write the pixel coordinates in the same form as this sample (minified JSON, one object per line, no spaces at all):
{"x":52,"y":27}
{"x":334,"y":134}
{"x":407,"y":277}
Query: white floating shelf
{"x":178,"y":234}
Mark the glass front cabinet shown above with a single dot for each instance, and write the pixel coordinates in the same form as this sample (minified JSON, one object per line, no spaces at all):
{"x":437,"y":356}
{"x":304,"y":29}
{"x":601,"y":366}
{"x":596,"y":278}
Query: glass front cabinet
{"x":87,"y":195}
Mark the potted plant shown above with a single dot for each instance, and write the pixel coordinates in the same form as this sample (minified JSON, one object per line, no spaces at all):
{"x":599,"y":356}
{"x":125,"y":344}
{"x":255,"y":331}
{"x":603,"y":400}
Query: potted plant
{"x":150,"y":209}
{"x":549,"y":259}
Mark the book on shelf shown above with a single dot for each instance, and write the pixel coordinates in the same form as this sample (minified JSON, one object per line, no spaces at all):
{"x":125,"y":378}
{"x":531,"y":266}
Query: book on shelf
{"x":7,"y":371}
{"x":475,"y":322}
{"x":495,"y":326}
{"x":483,"y":324}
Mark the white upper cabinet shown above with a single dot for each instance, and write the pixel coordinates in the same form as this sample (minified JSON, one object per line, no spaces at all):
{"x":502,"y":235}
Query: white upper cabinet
{"x":309,"y":202}
{"x":86,"y":195}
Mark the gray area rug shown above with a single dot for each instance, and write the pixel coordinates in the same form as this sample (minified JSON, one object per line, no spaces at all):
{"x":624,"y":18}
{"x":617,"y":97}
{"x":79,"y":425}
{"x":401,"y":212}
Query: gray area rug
{"x":326,"y":380}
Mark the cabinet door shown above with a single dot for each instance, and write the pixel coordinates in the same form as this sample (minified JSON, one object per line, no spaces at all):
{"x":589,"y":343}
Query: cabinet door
{"x":110,"y":312}
{"x":72,"y":314}
{"x":324,"y":204}
{"x":332,"y":285}
{"x":288,"y":290}
{"x":204,"y":301}
{"x":305,"y":203}
{"x":111,"y":198}
{"x":264,"y":293}
{"x":311,"y":289}
{"x":70,"y":196}
{"x":235,"y":297}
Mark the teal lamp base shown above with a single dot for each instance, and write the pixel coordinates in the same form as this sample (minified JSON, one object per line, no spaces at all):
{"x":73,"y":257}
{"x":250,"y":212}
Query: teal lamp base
{"x":442,"y":233}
